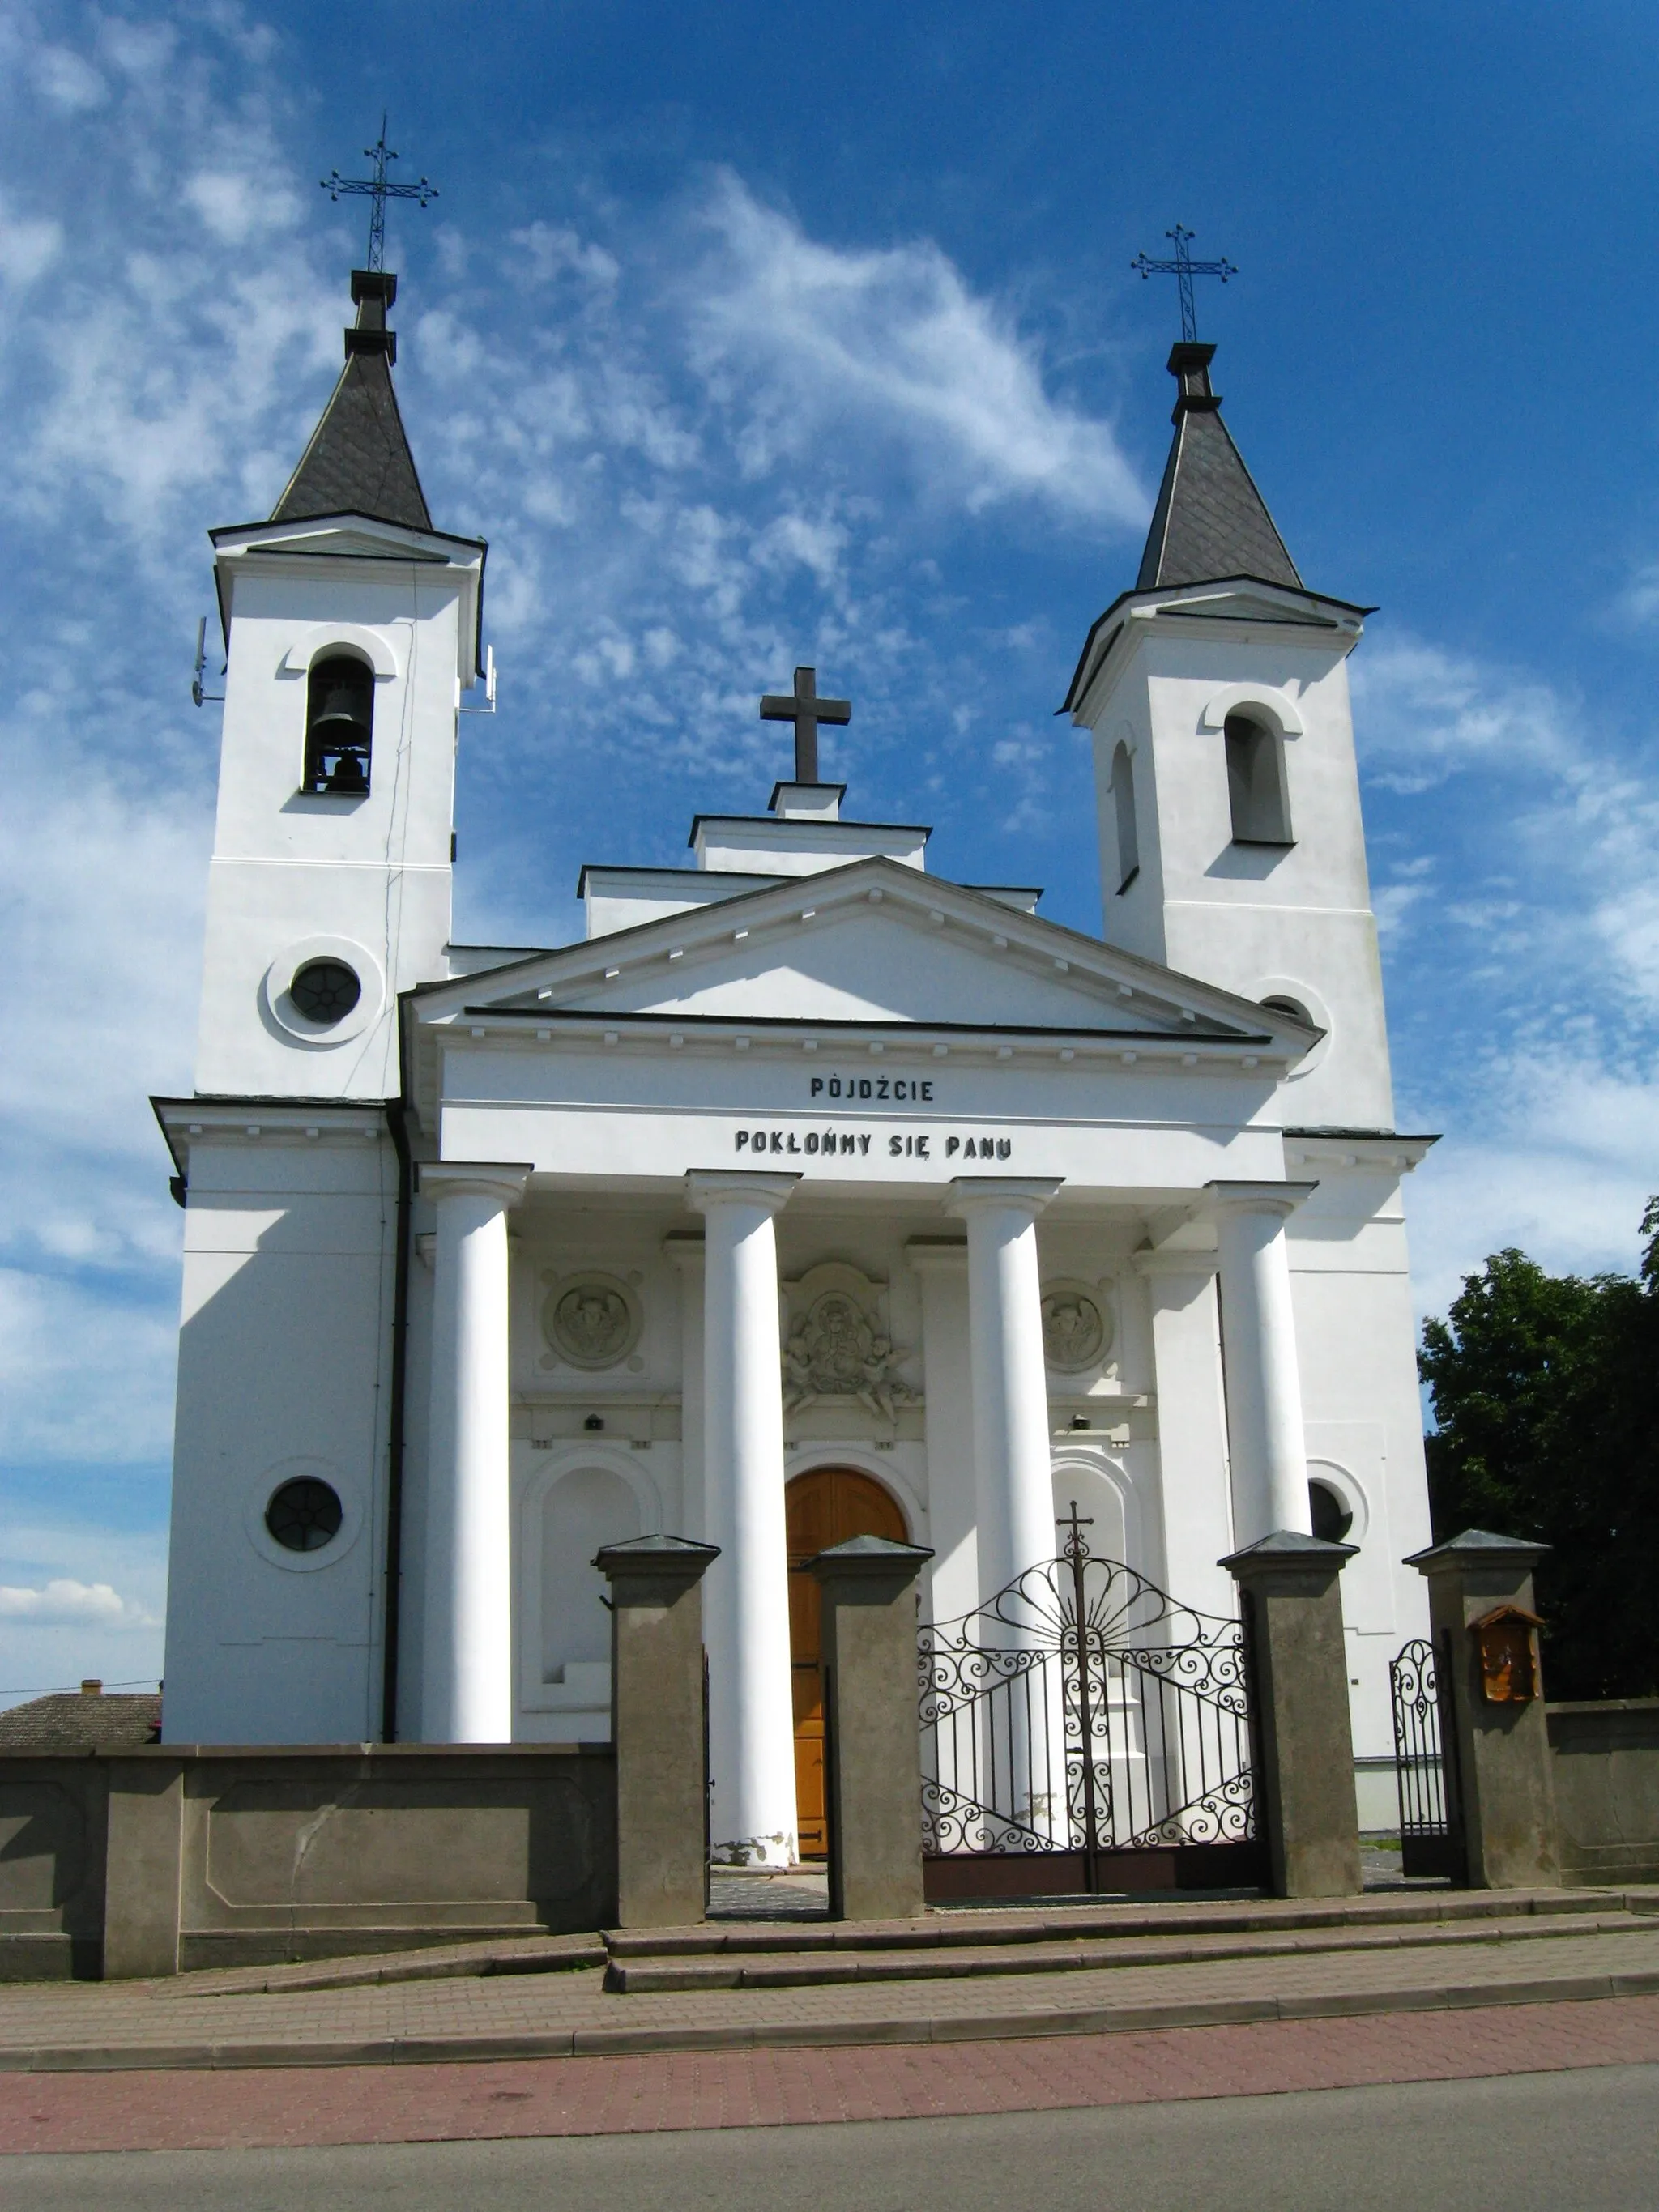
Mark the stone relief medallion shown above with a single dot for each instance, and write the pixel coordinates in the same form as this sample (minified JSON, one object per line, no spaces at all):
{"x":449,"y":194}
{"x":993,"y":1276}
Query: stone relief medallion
{"x":837,"y":1348}
{"x":592,"y":1320}
{"x":1076,"y":1327}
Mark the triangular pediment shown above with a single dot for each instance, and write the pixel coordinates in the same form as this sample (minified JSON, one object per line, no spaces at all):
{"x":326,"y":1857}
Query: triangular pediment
{"x":873,"y":943}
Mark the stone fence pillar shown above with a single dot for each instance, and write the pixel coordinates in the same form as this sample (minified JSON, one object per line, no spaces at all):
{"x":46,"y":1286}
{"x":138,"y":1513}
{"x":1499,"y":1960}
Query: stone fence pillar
{"x":657,"y":1728}
{"x":872,"y":1767}
{"x":1298,"y":1675}
{"x":142,"y":1866}
{"x":1500,"y":1789}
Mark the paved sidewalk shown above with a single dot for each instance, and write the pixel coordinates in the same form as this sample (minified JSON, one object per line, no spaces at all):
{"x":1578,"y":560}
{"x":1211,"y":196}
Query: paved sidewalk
{"x":110,"y":2025}
{"x":305,"y":2106}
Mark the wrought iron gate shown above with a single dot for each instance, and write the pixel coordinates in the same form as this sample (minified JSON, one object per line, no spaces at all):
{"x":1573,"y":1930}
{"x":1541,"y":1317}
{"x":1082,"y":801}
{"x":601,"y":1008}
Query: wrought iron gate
{"x":1083,"y":1731}
{"x":1429,"y":1842}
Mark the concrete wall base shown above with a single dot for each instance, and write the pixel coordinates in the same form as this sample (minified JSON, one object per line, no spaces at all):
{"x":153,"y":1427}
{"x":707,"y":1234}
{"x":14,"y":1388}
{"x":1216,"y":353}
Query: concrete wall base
{"x":1604,"y":1762}
{"x":232,"y":1856}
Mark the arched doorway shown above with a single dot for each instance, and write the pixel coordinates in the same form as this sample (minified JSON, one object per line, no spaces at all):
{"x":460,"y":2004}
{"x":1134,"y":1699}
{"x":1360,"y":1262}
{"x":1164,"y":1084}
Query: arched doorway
{"x":823,"y":1508}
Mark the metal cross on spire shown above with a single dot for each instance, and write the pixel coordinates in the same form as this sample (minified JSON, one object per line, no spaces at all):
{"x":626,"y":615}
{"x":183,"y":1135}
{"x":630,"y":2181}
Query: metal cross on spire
{"x":1184,"y":269}
{"x":379,"y":191}
{"x":804,"y":707}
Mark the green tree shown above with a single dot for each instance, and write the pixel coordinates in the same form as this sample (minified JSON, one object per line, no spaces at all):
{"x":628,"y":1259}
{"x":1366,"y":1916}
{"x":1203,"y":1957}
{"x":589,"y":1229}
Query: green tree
{"x":1545,"y":1397}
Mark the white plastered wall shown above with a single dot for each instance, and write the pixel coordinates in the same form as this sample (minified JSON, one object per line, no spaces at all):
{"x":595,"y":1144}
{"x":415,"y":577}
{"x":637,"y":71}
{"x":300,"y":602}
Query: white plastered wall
{"x":1257,"y":919}
{"x":298,"y":873}
{"x":1351,"y":1293}
{"x":283,"y":1371}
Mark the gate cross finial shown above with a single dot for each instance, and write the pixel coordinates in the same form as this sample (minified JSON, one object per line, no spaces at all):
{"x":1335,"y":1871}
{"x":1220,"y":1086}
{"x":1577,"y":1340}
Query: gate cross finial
{"x":1076,"y":1545}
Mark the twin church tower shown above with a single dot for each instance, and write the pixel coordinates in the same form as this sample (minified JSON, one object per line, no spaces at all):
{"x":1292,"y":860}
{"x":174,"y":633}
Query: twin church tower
{"x":474,"y":1234}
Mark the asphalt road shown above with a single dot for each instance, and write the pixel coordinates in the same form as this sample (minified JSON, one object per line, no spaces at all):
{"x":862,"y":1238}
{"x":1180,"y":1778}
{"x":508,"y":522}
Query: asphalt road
{"x":1586,"y":2141}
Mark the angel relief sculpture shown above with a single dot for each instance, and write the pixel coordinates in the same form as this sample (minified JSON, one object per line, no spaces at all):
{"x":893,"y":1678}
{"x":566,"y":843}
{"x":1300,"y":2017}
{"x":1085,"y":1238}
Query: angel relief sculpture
{"x":835,"y":1350}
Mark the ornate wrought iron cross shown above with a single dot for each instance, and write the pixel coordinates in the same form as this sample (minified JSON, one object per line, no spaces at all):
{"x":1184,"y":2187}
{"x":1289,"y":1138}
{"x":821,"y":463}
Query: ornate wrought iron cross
{"x":804,"y":707}
{"x":379,"y":191}
{"x":1075,"y":1545}
{"x":1184,"y":269}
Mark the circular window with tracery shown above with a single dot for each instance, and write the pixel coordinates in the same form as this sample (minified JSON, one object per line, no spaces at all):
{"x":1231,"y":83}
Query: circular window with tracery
{"x":325,"y":990}
{"x":304,"y":1514}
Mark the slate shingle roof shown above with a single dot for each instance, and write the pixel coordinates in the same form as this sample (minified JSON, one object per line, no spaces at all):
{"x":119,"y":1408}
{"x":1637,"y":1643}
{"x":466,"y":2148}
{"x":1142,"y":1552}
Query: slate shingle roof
{"x":358,"y":461}
{"x":1209,"y":520}
{"x":78,"y":1721}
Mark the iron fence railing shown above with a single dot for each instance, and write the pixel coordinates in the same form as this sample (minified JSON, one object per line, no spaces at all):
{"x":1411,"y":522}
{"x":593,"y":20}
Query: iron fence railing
{"x":1429,"y":1841}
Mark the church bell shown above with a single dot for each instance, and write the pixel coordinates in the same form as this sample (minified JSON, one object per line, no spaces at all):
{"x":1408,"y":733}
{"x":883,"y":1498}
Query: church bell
{"x":339,"y":726}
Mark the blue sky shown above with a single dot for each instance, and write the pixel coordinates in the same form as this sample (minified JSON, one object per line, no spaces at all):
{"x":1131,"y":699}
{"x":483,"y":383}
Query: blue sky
{"x":753,"y":334}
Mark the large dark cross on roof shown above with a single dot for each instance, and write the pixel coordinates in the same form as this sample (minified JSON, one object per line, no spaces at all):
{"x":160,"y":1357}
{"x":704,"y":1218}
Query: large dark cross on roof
{"x":378,"y":191}
{"x":1184,"y":269}
{"x":804,"y":707}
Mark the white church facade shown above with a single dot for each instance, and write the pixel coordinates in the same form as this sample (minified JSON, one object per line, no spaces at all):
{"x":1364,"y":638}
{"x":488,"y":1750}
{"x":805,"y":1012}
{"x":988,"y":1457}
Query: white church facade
{"x":809,"y":1193}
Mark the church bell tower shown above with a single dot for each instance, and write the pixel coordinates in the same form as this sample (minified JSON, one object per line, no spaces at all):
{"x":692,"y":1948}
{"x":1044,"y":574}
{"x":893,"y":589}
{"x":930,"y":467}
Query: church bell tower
{"x":351,"y":628}
{"x":1230,"y":838}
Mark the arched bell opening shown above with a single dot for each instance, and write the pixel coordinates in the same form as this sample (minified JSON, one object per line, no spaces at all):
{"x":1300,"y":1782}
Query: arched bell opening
{"x":339,"y":724}
{"x":1256,"y":786}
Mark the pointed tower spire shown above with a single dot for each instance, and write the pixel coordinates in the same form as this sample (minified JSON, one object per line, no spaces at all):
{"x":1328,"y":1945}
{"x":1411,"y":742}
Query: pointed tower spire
{"x":358,"y":461}
{"x":1209,"y":520}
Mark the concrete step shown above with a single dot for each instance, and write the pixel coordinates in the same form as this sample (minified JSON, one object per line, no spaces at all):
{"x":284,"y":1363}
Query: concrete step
{"x":980,"y":1927}
{"x":777,"y":1958}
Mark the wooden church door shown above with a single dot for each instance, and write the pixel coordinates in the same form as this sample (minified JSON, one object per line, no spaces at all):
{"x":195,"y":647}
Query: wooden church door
{"x":823,"y":1508}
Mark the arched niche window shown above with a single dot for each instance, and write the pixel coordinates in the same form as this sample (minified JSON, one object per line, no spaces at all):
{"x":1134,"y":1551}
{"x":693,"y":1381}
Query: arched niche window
{"x":585,"y":1509}
{"x":1123,"y":802}
{"x":339,"y":724}
{"x":1256,"y":783}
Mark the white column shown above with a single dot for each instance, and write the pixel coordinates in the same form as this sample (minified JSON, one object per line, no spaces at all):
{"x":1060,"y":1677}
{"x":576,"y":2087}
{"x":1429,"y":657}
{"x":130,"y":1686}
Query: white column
{"x":1012,"y":1449}
{"x":467,"y":1675}
{"x":751,"y":1725}
{"x":1258,"y":1337}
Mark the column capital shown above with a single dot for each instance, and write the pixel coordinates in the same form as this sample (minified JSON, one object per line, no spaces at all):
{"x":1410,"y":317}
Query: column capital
{"x":502,"y":1180}
{"x":684,"y":1248}
{"x":971,"y":1195}
{"x":707,"y":1188}
{"x":1237,"y":1198}
{"x":937,"y":1256}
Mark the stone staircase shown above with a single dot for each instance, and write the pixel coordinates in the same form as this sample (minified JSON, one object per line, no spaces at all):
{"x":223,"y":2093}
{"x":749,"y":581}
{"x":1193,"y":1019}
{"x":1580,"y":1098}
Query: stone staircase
{"x":796,"y":1955}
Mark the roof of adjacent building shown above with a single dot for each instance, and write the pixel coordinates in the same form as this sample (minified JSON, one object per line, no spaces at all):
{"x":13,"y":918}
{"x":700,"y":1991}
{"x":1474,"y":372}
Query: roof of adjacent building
{"x":1210,"y":522}
{"x":83,"y":1720}
{"x":358,"y":461}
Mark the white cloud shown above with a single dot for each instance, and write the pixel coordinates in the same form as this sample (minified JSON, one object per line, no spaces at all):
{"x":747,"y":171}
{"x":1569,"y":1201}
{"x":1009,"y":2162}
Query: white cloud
{"x":63,"y":1604}
{"x":67,"y":81}
{"x":87,"y":1367}
{"x":805,"y":340}
{"x":1561,"y":1164}
{"x":1639,"y":600}
{"x":554,"y":250}
{"x":28,"y":246}
{"x":1422,"y":714}
{"x":1392,"y":904}
{"x":236,"y":206}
